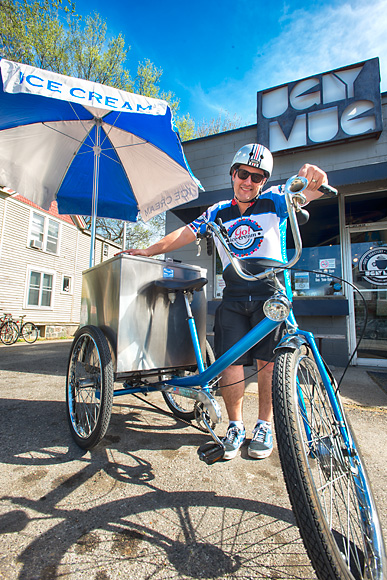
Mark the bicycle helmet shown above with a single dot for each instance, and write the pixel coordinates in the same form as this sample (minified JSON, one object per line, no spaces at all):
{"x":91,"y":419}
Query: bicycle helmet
{"x":255,"y":155}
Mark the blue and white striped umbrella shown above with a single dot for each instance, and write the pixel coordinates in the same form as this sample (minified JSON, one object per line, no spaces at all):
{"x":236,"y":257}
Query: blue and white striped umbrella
{"x":93,"y":148}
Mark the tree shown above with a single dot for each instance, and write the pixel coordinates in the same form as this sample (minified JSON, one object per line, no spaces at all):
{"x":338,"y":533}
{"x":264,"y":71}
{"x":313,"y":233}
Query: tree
{"x":95,"y":58}
{"x":217,"y":125}
{"x":186,"y":127}
{"x":138,"y":234}
{"x":32,"y":33}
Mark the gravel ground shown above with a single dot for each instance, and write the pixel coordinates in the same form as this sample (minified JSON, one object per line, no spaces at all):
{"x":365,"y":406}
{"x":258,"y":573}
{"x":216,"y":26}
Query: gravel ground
{"x":141,"y":505}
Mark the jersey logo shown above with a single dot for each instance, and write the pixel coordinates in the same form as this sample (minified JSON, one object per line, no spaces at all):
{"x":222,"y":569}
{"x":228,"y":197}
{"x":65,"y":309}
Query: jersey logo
{"x":245,"y":236}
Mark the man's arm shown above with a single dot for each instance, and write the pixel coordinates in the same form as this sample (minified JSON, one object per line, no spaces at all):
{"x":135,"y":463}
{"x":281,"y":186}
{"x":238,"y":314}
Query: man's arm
{"x":316,"y":177}
{"x":173,"y":241}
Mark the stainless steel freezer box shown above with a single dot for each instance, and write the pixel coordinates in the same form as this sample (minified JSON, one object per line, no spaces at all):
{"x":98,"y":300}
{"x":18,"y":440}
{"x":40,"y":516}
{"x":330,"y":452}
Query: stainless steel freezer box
{"x":144,"y":328}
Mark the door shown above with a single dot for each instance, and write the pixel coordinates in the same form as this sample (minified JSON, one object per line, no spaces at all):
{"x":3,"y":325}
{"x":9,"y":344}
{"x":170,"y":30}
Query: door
{"x":368,"y":251}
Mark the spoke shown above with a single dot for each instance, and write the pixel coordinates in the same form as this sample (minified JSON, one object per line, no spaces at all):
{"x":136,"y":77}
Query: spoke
{"x":85,"y":384}
{"x":332,"y":471}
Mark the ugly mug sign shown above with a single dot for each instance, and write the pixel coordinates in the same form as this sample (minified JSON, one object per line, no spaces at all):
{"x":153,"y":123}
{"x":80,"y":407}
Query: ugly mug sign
{"x":328,"y":107}
{"x":373,"y":266}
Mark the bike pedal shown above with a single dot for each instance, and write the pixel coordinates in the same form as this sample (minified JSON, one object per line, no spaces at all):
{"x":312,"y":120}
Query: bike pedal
{"x":210,"y":452}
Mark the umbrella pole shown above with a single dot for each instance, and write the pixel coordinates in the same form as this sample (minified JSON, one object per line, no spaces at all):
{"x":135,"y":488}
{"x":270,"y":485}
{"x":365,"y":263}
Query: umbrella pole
{"x":124,"y":233}
{"x":94,"y":204}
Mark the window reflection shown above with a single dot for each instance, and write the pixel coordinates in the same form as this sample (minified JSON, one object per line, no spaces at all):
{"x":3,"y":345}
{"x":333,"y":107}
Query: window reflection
{"x":321,"y":254}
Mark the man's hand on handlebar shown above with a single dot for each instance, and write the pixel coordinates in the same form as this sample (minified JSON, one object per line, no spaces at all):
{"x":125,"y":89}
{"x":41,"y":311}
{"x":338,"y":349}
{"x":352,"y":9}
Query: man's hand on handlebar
{"x":316,"y":178}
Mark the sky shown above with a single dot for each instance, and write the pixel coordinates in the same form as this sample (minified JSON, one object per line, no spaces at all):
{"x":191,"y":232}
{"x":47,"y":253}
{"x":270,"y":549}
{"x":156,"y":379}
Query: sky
{"x":216,"y":54}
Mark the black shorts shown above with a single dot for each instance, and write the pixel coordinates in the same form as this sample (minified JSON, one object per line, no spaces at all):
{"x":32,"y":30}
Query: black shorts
{"x":233,"y":320}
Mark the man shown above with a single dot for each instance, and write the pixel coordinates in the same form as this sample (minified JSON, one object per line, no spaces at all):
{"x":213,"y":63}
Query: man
{"x":256,"y":224}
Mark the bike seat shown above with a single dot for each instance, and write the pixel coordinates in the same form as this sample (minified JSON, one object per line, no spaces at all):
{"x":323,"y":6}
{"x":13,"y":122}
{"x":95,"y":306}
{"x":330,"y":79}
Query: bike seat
{"x":184,"y":285}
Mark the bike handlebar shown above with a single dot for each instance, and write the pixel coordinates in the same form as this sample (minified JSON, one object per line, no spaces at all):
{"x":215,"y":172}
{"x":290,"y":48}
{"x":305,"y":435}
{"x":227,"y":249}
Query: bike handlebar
{"x":294,"y":198}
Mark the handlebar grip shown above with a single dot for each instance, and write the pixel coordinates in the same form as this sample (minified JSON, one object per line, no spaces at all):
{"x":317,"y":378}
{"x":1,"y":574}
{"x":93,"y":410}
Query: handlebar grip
{"x":328,"y":190}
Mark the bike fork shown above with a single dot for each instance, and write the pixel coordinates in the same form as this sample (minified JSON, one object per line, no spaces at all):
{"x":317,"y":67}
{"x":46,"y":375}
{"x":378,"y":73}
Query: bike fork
{"x":327,"y":381}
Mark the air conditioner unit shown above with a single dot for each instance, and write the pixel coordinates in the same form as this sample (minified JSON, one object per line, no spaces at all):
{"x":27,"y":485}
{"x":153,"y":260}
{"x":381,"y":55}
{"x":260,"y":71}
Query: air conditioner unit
{"x":36,"y":244}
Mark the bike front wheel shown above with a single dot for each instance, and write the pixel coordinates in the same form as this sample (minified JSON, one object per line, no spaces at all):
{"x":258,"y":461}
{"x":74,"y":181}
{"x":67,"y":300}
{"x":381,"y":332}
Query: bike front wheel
{"x":89,"y":387}
{"x":181,"y":406}
{"x":9,"y":332}
{"x":327,"y":483}
{"x":29,"y":332}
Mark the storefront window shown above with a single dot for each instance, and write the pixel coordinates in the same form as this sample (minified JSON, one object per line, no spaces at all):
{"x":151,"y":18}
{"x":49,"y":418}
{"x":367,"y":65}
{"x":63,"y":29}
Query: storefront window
{"x":366,"y":216}
{"x":321,"y":256}
{"x":366,"y":208}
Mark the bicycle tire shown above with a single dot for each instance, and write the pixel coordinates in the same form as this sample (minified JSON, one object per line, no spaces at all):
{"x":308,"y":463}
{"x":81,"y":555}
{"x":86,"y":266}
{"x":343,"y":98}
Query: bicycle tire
{"x":89,"y":387}
{"x":9,"y":332}
{"x":329,"y":491}
{"x":181,"y":406}
{"x":29,"y":332}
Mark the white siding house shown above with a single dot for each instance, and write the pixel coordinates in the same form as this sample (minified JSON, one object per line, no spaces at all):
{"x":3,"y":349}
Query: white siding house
{"x":42,"y":256}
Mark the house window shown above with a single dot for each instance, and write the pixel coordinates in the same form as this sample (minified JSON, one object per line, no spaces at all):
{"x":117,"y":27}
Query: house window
{"x":52,"y":237}
{"x":44,"y":233}
{"x":40,"y":289}
{"x":67,"y":284}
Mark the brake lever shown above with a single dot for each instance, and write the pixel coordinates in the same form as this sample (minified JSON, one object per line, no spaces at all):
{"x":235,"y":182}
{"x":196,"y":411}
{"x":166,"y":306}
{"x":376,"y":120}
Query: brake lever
{"x":199,"y":248}
{"x":223,"y":230}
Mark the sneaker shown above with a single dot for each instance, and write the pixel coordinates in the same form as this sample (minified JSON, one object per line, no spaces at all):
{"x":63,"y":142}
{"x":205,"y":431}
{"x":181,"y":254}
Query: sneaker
{"x":233,"y":441}
{"x":261,"y":444}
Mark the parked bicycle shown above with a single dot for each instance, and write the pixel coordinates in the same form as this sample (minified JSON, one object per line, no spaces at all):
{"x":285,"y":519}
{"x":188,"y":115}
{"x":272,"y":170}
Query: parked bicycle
{"x":11,"y":330}
{"x":323,"y":468}
{"x":8,"y":329}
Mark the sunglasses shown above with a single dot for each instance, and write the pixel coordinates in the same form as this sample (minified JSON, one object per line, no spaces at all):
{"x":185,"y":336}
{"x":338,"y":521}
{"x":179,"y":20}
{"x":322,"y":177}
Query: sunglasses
{"x":255,"y":177}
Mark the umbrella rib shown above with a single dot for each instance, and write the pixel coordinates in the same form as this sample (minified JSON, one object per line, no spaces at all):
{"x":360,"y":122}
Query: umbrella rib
{"x":111,"y":127}
{"x":78,"y":117}
{"x":87,"y":131}
{"x":62,"y":133}
{"x":133,"y":144}
{"x":110,"y":158}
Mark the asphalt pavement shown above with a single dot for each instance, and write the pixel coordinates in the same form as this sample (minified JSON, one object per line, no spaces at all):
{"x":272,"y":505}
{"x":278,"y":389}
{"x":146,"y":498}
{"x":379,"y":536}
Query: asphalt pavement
{"x":141,"y":505}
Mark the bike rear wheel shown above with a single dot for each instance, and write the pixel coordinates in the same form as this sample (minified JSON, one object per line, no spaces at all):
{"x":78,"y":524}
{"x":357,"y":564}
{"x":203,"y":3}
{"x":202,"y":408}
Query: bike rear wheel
{"x":181,"y":406}
{"x":89,"y":387}
{"x":328,"y":487}
{"x":29,"y":332}
{"x":9,"y":332}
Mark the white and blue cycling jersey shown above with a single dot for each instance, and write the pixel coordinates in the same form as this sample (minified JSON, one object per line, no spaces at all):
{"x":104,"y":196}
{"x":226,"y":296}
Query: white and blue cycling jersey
{"x":259,"y":233}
